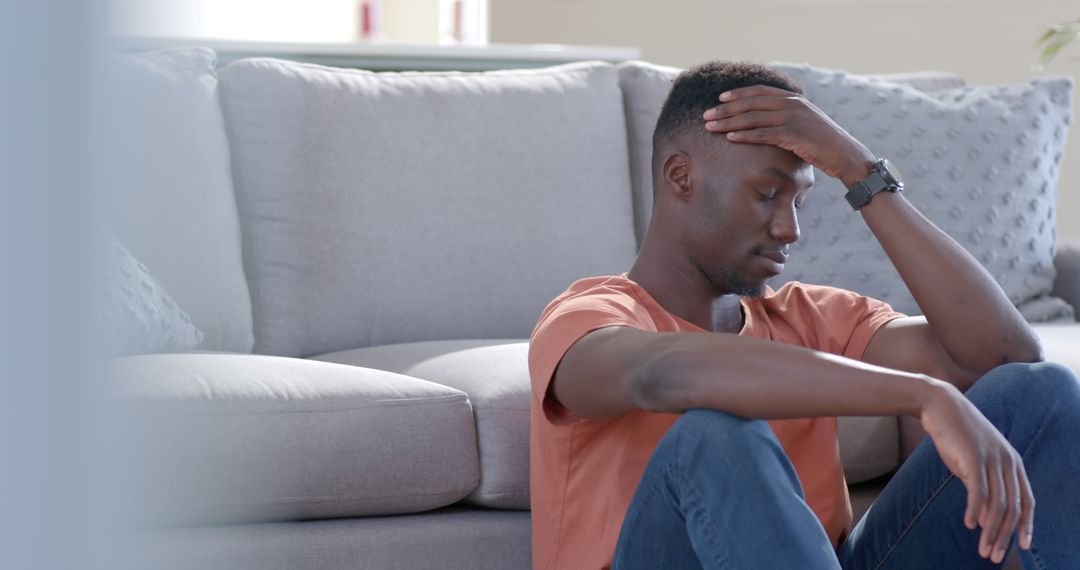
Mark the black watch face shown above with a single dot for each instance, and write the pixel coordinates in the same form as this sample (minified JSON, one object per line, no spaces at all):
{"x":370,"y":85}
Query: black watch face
{"x":892,"y":172}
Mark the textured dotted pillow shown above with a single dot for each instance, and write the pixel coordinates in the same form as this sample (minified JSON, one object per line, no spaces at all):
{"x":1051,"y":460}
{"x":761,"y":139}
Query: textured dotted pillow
{"x":139,"y":315}
{"x":980,"y":162}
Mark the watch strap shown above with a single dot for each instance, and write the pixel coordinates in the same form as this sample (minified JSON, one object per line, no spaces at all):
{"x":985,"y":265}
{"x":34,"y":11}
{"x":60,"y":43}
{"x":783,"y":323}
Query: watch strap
{"x":864,"y":190}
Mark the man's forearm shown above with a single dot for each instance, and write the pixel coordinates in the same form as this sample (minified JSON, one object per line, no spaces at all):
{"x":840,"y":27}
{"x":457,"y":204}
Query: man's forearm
{"x":760,"y":379}
{"x":968,"y":312}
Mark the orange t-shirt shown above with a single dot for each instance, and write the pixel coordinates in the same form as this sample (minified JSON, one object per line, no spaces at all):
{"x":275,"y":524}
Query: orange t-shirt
{"x":584,"y":473}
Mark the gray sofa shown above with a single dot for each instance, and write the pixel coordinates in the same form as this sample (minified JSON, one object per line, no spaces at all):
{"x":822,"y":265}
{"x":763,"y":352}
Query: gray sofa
{"x":366,"y":255}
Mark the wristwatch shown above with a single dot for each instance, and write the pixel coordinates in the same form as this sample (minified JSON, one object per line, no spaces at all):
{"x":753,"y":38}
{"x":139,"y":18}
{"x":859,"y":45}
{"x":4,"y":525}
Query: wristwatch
{"x":883,"y":177}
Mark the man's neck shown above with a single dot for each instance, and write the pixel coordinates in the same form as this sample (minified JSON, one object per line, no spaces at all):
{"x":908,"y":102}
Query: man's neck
{"x":684,"y":291}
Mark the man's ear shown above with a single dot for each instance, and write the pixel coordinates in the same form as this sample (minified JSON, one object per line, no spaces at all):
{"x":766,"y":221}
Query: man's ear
{"x":677,"y":175}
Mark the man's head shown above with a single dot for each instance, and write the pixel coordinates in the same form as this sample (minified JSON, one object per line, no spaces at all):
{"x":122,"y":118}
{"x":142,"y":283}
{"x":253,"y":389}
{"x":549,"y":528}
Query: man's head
{"x":729,"y":207}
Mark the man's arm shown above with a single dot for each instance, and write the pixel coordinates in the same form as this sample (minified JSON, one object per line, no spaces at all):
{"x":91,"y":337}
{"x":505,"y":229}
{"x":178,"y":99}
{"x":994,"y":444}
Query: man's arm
{"x":616,"y":370}
{"x":969,"y":314}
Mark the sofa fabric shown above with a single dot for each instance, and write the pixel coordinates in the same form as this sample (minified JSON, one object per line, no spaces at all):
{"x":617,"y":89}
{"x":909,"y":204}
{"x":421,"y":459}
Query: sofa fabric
{"x":447,"y":539}
{"x":217,"y":438}
{"x":167,"y":187}
{"x":980,"y":162}
{"x":392,"y":207}
{"x":495,"y":375}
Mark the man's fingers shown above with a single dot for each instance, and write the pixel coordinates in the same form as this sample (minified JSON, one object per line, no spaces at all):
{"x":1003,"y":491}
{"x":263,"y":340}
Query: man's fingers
{"x":1027,"y":508}
{"x":755,"y":90}
{"x":993,"y":511}
{"x":1012,"y":515}
{"x":748,"y":120}
{"x":978,"y":493}
{"x":764,"y":135}
{"x":740,"y":106}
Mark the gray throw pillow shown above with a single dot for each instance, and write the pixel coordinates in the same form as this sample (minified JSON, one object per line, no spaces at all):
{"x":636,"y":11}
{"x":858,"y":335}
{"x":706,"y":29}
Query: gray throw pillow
{"x":980,"y":162}
{"x":138,"y":314}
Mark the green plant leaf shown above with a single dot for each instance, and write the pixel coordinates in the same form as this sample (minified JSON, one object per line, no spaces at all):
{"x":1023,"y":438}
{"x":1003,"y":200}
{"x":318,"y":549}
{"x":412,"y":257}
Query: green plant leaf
{"x":1055,"y":45}
{"x":1056,"y":38}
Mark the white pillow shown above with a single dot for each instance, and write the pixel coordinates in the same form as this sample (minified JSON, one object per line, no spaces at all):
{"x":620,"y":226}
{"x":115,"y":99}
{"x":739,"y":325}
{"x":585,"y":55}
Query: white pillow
{"x":138,"y":314}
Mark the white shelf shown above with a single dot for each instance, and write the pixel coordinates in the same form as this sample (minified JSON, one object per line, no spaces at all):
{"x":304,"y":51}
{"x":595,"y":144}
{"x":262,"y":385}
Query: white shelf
{"x":394,"y":56}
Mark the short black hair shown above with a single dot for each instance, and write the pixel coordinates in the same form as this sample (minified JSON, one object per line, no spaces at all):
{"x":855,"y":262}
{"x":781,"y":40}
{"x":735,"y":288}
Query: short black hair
{"x":698,"y":88}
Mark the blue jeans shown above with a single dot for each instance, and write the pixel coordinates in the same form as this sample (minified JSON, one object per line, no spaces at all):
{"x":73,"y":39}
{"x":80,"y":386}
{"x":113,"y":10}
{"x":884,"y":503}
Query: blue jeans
{"x":719,"y":492}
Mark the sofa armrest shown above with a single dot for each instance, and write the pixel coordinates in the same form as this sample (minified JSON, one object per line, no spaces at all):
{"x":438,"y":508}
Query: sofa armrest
{"x":1067,"y":264}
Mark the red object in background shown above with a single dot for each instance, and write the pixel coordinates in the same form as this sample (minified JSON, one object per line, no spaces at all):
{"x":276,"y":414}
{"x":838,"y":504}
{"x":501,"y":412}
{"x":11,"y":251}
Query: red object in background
{"x":369,"y":19}
{"x":459,"y":20}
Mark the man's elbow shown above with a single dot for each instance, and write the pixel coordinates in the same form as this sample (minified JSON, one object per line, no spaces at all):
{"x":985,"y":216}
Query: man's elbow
{"x":1031,"y":353}
{"x":1029,"y":349}
{"x":655,"y":393}
{"x":656,"y":387}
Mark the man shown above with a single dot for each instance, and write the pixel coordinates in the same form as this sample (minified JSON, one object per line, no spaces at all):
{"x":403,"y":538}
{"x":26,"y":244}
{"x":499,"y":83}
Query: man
{"x":656,"y":444}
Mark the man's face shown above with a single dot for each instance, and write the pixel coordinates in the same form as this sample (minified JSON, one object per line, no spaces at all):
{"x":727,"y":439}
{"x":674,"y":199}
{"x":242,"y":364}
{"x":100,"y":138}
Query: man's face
{"x":743,"y":212}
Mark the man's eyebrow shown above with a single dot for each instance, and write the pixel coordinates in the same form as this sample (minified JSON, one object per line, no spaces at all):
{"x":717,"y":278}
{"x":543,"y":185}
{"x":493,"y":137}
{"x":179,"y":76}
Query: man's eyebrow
{"x":780,"y":174}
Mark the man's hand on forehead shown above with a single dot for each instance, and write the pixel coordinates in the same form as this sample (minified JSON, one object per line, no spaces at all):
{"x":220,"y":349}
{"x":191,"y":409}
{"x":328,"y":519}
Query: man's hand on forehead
{"x":761,"y":114}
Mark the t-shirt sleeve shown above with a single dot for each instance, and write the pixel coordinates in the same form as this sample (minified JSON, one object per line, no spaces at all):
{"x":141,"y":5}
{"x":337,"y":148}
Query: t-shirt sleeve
{"x":561,"y":325}
{"x":840,"y":321}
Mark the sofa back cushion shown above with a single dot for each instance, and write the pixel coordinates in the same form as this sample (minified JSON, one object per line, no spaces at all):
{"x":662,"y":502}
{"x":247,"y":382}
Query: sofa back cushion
{"x":168,"y":192}
{"x":390,"y":207}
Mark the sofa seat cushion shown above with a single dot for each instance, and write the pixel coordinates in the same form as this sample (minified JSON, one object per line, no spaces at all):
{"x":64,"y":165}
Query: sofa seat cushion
{"x":380,"y":208}
{"x":869,"y":446}
{"x":495,"y":375}
{"x":246,"y":438}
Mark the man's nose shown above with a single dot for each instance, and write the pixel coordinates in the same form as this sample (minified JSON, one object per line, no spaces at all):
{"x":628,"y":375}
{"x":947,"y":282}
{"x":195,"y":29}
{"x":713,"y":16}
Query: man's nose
{"x":785,"y":224}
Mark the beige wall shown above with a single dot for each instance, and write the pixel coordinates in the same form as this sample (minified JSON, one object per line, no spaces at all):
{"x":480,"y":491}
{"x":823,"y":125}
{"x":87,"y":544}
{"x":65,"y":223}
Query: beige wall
{"x":985,"y":41}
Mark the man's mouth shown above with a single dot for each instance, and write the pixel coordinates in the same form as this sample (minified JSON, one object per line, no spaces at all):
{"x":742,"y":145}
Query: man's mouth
{"x":778,"y":255}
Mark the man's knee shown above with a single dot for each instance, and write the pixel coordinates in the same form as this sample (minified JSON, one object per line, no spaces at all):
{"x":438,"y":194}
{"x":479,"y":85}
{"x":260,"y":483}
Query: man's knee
{"x":1040,"y":381}
{"x":711,"y":431}
{"x":718,"y":445}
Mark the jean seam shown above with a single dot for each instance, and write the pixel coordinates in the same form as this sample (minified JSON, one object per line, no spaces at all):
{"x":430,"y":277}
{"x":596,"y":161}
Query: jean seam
{"x":915,"y":517}
{"x":648,"y":495}
{"x":687,"y":487}
{"x":666,"y":474}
